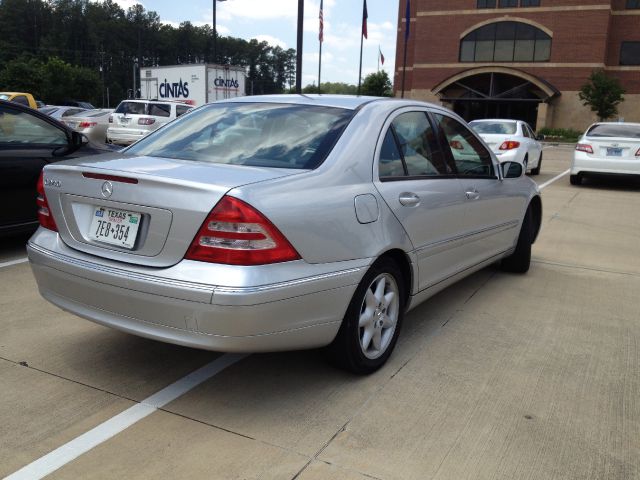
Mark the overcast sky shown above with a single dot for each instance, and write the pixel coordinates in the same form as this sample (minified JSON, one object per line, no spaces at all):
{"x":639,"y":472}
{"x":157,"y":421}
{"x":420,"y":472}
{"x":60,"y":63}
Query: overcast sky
{"x":275,"y":22}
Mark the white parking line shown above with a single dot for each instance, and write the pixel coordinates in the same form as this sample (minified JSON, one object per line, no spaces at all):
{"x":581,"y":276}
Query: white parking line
{"x":557,"y":177}
{"x":103,"y":432}
{"x":14,"y":262}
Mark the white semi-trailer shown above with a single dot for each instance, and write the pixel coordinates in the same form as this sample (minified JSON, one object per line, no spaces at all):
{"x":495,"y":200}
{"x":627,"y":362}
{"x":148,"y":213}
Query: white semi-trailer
{"x":195,"y":84}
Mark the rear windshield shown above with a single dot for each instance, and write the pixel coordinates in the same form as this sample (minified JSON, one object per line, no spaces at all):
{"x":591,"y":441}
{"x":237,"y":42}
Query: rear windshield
{"x":95,"y":113}
{"x":132,"y":108}
{"x":614,"y":130}
{"x":501,"y":128}
{"x":254,"y":134}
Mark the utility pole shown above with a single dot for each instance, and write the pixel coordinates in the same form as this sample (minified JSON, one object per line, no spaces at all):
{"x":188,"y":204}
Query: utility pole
{"x":215,"y":32}
{"x":299,"y":47}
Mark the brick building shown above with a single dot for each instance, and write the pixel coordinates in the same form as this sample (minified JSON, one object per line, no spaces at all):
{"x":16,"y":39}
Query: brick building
{"x":523,"y":59}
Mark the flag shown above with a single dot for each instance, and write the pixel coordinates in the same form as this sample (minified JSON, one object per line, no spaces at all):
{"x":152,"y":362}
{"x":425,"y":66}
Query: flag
{"x":364,"y":19}
{"x":408,"y":19}
{"x":321,"y":31}
{"x":381,"y":56}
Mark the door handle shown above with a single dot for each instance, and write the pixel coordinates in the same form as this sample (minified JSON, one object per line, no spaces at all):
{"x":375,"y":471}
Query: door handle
{"x":472,"y":194}
{"x":409,"y":199}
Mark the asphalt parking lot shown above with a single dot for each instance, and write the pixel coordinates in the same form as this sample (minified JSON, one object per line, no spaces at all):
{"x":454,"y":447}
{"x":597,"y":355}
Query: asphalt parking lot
{"x":500,"y":376}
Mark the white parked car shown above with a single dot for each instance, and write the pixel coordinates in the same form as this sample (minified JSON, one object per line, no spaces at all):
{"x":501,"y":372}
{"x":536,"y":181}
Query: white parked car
{"x":134,"y":119}
{"x":607,"y":149}
{"x":511,"y":141}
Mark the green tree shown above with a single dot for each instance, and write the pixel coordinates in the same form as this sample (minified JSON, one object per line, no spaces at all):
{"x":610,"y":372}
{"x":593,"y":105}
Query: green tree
{"x":377,"y":84}
{"x":23,"y":74}
{"x":603,"y":94}
{"x":332,"y":88}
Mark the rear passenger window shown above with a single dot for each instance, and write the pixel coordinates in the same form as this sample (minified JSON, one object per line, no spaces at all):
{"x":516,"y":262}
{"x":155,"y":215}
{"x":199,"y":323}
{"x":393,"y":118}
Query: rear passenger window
{"x":159,"y":110}
{"x":469,"y":155}
{"x":525,"y":131}
{"x":410,"y":148}
{"x":391,"y":164}
{"x":21,"y":99}
{"x":181,"y":110}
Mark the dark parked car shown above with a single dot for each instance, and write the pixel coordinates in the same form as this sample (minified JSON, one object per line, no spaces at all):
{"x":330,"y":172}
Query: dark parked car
{"x":29,"y":140}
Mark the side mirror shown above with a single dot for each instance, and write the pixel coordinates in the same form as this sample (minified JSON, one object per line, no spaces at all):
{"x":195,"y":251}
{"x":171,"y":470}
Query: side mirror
{"x":511,"y":169}
{"x":78,"y":139}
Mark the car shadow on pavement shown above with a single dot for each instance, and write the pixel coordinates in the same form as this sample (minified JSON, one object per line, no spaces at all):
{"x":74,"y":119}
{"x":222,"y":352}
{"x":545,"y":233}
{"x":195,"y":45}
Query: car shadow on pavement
{"x":622,"y":184}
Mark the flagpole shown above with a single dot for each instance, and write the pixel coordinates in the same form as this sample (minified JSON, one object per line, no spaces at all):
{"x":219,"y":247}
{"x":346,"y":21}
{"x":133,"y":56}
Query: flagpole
{"x":320,"y":39}
{"x":319,"y":67}
{"x":362,"y":33}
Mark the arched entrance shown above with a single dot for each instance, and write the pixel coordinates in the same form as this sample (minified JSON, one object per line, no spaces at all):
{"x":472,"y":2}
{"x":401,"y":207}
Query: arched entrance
{"x":496,"y":93}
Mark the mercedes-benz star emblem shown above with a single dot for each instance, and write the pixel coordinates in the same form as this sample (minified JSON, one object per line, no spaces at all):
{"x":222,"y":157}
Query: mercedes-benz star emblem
{"x":107,"y":189}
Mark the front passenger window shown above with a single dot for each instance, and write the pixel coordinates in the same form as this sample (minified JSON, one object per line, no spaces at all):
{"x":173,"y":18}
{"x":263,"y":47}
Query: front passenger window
{"x":17,"y":127}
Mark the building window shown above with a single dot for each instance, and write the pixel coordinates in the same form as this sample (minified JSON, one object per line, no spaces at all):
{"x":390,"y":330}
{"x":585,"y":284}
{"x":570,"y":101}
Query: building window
{"x":506,"y":42}
{"x":630,"y":53}
{"x":633,"y":4}
{"x":514,"y":3}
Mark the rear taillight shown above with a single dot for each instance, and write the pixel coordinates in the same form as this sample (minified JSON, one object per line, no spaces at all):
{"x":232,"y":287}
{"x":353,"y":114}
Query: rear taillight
{"x":87,"y":124}
{"x":44,"y":212}
{"x":509,"y":145}
{"x":235,"y":233}
{"x":146,"y":121}
{"x":110,"y":118}
{"x":584,"y":147}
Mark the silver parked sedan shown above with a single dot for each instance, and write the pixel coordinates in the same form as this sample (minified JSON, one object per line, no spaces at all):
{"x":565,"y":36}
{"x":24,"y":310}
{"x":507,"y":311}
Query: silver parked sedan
{"x":281,"y":222}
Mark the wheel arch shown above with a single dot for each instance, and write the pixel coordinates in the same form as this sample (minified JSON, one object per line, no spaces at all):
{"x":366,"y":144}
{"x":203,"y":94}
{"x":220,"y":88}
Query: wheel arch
{"x":536,"y":211}
{"x":402,"y":260}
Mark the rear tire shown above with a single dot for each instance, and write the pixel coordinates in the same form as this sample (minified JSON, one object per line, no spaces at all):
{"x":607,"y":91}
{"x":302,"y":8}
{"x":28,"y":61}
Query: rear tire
{"x":575,"y":179}
{"x":371,"y":326}
{"x":536,"y":171}
{"x":520,"y":260}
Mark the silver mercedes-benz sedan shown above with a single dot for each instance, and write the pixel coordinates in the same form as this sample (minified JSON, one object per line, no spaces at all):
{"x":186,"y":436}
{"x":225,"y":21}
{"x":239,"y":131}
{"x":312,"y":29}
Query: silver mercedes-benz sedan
{"x":279,"y":223}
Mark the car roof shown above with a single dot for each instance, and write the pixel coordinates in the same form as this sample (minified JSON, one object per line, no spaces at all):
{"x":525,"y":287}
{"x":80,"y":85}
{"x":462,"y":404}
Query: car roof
{"x":14,"y":93}
{"x":634,"y":124}
{"x":349,"y":102}
{"x":497,"y":120}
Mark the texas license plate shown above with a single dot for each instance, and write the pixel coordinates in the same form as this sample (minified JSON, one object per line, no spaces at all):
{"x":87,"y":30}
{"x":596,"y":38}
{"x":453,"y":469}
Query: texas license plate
{"x":614,"y":152}
{"x":115,"y":227}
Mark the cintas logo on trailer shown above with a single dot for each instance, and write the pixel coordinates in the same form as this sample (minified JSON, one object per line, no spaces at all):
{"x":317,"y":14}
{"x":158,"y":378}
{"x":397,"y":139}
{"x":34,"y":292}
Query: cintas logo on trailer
{"x":230,"y":83}
{"x":174,"y":90}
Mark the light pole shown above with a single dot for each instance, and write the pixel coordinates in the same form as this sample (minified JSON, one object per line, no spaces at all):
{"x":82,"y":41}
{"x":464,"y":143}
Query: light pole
{"x":215,"y":33}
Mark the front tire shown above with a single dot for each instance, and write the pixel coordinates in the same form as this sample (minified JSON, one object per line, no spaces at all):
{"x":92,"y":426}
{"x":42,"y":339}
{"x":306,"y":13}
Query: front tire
{"x":575,"y":179}
{"x":520,"y":260}
{"x":371,"y":326}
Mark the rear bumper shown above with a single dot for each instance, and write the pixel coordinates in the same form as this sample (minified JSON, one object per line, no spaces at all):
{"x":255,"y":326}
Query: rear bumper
{"x":583,"y":163}
{"x":122,"y":136}
{"x":304,"y":312}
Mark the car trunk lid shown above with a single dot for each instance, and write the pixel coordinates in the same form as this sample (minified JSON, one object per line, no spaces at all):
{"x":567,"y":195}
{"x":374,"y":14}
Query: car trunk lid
{"x":141,"y":210}
{"x":494,"y":141}
{"x":614,"y":147}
